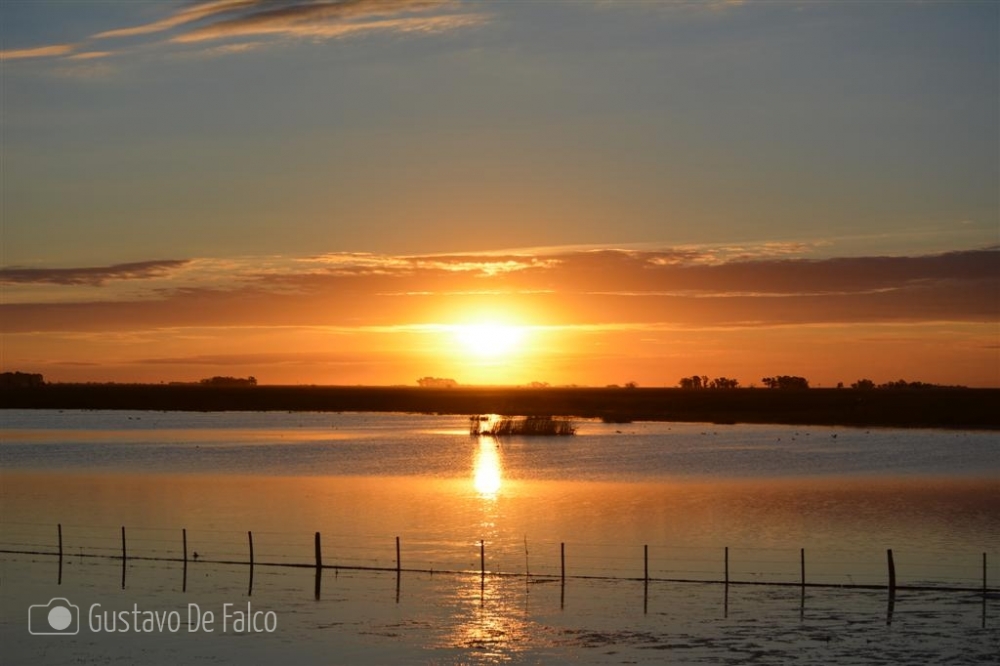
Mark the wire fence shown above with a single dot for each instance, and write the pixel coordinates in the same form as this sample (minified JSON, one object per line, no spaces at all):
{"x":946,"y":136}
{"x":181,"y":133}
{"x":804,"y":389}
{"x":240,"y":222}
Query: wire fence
{"x":502,"y":556}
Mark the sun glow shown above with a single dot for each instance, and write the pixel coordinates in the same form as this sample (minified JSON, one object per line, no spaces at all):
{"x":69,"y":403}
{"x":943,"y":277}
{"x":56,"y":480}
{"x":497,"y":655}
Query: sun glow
{"x":489,"y":339}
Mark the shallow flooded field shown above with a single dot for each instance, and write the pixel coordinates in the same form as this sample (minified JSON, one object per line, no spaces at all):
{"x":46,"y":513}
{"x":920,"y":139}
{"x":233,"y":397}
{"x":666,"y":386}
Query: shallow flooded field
{"x":612,"y":546}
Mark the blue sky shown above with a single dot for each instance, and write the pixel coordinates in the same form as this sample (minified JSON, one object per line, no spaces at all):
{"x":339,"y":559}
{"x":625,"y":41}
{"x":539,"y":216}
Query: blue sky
{"x":512,"y":125}
{"x":209,"y":143}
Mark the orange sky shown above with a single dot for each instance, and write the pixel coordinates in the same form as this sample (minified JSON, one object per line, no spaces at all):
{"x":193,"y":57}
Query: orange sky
{"x":590,"y":317}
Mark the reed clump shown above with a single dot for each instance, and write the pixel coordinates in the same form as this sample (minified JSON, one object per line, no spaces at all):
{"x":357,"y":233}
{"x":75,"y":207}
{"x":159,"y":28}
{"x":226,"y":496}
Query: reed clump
{"x":529,"y":426}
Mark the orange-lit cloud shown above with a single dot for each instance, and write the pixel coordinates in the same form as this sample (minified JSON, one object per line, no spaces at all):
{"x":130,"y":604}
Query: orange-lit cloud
{"x":237,"y":20}
{"x":37,"y":52}
{"x":366,"y":318}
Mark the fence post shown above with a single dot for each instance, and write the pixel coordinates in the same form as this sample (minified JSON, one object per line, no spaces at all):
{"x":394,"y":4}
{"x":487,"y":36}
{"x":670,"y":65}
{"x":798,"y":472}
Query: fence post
{"x":562,"y":568}
{"x":892,"y":587}
{"x":399,"y":566}
{"x":124,"y":557}
{"x":892,"y":572}
{"x":984,"y":575}
{"x":645,"y":579}
{"x":725,"y":589}
{"x":984,"y":591}
{"x":184,"y":539}
{"x":319,"y":566}
{"x":802,"y":596}
{"x":250,"y":541}
{"x":59,"y":529}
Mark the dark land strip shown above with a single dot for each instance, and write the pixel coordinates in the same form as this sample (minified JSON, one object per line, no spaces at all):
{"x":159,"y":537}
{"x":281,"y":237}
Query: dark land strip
{"x":960,"y":408}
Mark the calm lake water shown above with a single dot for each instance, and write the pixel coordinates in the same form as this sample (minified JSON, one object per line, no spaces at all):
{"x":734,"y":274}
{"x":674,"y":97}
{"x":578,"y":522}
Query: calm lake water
{"x":612,"y":503}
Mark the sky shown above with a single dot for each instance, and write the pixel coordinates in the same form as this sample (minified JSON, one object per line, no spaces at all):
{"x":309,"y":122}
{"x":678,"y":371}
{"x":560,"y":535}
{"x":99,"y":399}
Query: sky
{"x":506,"y":192}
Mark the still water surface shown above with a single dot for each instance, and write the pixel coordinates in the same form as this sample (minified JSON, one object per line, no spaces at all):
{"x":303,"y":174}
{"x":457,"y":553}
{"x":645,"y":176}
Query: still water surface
{"x":684,"y":491}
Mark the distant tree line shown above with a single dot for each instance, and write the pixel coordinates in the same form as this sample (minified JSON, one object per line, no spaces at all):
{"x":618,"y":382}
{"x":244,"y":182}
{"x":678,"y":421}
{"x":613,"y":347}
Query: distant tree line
{"x":229,"y":381}
{"x":436,"y":382}
{"x":21,"y":379}
{"x":867,"y":384}
{"x":703,"y":382}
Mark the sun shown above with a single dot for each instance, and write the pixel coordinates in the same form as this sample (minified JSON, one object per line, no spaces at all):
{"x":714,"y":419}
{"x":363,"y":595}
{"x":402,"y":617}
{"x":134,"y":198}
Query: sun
{"x":489,"y":339}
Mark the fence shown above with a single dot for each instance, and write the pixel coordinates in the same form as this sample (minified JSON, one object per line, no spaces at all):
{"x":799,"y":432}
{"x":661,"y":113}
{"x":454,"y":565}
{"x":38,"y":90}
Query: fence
{"x":559,"y":562}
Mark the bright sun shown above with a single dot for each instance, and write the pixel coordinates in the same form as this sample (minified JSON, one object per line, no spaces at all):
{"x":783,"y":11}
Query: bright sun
{"x":489,"y":339}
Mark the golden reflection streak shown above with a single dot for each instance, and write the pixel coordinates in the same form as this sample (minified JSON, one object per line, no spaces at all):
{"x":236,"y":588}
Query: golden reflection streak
{"x":487,"y":475}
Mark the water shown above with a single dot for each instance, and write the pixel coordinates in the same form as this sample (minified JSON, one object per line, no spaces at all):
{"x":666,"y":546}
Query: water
{"x":682,"y":493}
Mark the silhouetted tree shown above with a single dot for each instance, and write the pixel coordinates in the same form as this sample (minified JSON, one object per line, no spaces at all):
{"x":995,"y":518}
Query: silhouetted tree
{"x":229,"y":381}
{"x":785,"y":382}
{"x":692,"y":382}
{"x":865,"y":384}
{"x":20,"y":379}
{"x":724,"y":383}
{"x":436,"y":382}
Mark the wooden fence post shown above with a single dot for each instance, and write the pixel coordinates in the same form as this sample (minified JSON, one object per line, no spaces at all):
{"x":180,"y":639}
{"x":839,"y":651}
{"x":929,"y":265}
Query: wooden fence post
{"x":645,"y":579}
{"x":250,"y":541}
{"x":319,"y":566}
{"x":399,"y":570}
{"x":184,"y":539}
{"x":59,"y":529}
{"x":124,"y":557}
{"x":892,"y":587}
{"x":562,"y":569}
{"x":984,"y":591}
{"x":802,"y":571}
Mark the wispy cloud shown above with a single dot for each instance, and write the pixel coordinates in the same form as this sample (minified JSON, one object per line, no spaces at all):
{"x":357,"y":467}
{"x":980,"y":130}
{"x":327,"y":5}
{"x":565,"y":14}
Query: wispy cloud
{"x":93,"y":276}
{"x":243,"y":24}
{"x":37,"y":52}
{"x":184,"y":16}
{"x":328,"y":20}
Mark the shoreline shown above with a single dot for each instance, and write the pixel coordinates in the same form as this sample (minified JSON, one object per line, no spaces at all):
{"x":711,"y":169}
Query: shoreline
{"x":947,"y":408}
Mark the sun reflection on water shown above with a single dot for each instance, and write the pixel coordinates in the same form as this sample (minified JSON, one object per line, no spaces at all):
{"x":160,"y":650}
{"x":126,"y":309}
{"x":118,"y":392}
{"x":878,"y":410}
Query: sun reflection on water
{"x":487,"y":474}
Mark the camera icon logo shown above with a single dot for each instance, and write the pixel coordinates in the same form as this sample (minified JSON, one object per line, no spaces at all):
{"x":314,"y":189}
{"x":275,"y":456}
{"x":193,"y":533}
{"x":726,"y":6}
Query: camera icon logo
{"x":57,"y":617}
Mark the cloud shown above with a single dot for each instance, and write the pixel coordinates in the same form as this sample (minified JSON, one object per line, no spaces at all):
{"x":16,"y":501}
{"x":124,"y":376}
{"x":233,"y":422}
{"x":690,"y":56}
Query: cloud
{"x":186,"y":15}
{"x":325,"y":22}
{"x":239,"y":20}
{"x":90,"y":55}
{"x":37,"y":52}
{"x":679,"y":289}
{"x":93,"y":276}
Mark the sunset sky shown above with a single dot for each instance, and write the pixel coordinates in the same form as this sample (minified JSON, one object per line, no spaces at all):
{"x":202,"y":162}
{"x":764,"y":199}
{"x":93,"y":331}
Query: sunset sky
{"x":369,"y":192}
